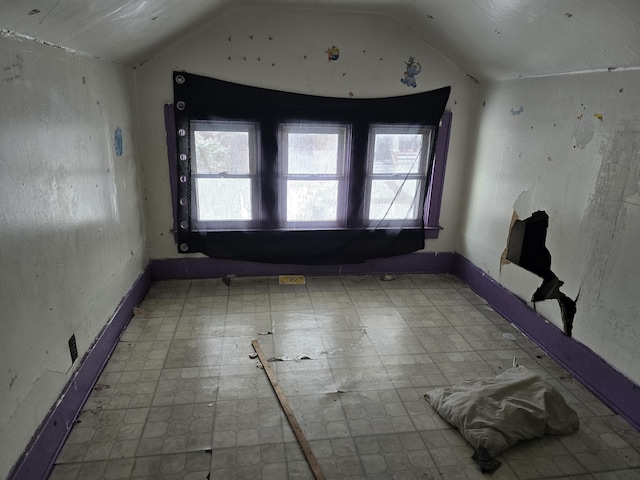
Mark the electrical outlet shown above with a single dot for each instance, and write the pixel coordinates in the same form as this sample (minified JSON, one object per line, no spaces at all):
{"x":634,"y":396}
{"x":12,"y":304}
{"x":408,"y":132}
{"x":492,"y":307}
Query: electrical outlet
{"x":73,"y":348}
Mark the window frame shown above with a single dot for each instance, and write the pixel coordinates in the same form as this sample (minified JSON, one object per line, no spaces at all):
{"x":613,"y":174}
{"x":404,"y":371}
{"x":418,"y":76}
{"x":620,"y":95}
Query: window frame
{"x":437,"y":169}
{"x":421,"y":174}
{"x":252,"y":128}
{"x":342,"y":168}
{"x":436,"y":174}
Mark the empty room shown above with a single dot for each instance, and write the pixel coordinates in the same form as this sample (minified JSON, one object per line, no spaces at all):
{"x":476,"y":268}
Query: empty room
{"x":308,"y":239}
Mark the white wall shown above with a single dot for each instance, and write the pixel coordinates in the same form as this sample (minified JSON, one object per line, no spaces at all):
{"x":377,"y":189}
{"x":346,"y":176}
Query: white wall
{"x":574,"y":152}
{"x":71,"y":225}
{"x":285,"y":50}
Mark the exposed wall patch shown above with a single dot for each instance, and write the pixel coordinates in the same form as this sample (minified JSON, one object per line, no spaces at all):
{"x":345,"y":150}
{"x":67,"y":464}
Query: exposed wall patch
{"x":584,"y":131}
{"x":526,"y":248}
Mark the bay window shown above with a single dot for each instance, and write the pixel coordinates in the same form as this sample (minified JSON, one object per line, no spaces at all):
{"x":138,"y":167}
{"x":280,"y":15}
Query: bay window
{"x":280,"y":177}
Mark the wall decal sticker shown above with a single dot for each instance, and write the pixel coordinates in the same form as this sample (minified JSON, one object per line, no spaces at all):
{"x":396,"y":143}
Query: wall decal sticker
{"x":333,"y":53}
{"x":413,"y":69}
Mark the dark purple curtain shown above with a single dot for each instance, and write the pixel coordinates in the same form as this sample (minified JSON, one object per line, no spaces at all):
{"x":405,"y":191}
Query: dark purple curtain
{"x":198,"y":98}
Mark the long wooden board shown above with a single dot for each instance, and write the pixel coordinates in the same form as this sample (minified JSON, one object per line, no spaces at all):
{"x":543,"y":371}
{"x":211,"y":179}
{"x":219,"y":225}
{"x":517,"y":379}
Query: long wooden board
{"x":297,"y":430}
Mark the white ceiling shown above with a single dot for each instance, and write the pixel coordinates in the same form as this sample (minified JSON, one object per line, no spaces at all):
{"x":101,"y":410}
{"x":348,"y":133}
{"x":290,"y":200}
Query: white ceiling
{"x":486,"y":39}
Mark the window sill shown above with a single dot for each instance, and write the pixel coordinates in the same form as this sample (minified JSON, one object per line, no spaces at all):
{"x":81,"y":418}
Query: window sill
{"x":432,"y":232}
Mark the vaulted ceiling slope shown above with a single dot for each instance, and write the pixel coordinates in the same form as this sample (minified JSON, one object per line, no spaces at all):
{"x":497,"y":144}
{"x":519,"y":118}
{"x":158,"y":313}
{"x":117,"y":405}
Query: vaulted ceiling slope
{"x":486,"y":39}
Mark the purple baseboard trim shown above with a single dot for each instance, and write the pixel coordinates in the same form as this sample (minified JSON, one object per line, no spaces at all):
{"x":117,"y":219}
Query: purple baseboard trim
{"x":39,"y":457}
{"x":177,"y":268}
{"x":614,"y":389}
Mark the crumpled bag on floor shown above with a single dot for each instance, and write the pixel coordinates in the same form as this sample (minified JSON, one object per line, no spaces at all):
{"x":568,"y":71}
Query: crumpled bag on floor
{"x":494,"y":414}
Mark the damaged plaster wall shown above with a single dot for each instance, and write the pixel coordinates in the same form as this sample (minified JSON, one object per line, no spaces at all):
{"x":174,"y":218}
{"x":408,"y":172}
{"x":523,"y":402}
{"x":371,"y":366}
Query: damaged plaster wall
{"x":569,"y":146}
{"x":286,"y":49}
{"x":71,"y":226}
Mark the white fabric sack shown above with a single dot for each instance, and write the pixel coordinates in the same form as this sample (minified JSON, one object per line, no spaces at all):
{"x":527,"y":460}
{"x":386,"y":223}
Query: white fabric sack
{"x":496,"y":413}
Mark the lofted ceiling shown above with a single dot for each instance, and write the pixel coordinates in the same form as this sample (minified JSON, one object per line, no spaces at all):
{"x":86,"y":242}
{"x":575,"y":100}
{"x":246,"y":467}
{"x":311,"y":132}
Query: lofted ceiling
{"x":486,"y":39}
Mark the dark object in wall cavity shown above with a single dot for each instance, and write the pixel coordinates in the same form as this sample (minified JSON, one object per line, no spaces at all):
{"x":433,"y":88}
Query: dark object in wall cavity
{"x":527,"y":249}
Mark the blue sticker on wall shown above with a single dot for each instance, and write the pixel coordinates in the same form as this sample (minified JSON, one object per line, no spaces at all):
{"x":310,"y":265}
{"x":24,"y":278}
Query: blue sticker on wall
{"x":117,"y":141}
{"x":413,"y":69}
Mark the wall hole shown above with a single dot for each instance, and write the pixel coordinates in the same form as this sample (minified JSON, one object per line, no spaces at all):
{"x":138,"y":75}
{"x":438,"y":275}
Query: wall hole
{"x":527,"y":248}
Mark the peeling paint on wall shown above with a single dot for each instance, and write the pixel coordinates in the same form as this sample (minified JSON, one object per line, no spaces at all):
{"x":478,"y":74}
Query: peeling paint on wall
{"x":611,"y":275}
{"x":618,"y":182}
{"x":583,"y":132}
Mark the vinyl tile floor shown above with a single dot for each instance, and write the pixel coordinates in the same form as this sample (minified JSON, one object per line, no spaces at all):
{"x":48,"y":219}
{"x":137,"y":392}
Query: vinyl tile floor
{"x":180,"y":397}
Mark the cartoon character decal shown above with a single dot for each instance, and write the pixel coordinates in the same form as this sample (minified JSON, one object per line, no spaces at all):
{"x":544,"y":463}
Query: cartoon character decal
{"x":333,"y":53}
{"x":413,"y":69}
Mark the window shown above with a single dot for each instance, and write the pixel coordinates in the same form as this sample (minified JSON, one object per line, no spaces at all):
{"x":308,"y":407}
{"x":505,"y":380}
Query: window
{"x":313,"y":185}
{"x":397,"y":173}
{"x":223,"y":175}
{"x":313,"y":169}
{"x":278,"y":177}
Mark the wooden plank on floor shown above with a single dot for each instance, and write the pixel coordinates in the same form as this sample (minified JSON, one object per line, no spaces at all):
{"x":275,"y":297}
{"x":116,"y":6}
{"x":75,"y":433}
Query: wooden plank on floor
{"x":293,"y":421}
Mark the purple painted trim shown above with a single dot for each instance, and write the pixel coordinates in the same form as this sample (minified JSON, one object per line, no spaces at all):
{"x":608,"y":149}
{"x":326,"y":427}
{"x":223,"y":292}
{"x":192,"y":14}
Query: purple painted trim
{"x":432,"y":232}
{"x":172,"y":150}
{"x":38,"y":459}
{"x":175,"y":268}
{"x":613,"y":388}
{"x":434,"y":195}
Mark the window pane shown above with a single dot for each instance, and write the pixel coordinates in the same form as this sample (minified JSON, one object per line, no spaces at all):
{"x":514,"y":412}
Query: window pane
{"x":223,"y":198}
{"x":312,"y":201}
{"x":222,"y":152}
{"x":397,"y":153}
{"x":313,"y":153}
{"x":394,"y":200}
